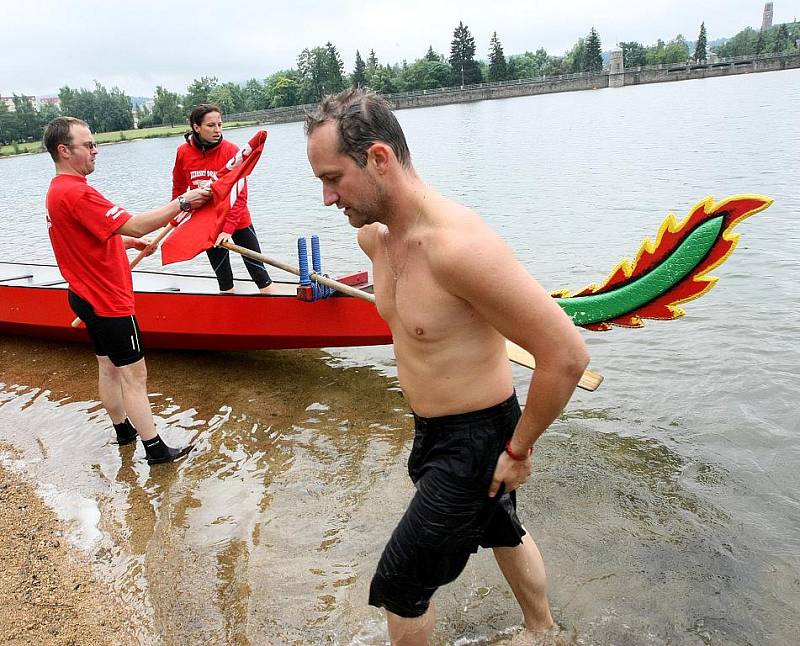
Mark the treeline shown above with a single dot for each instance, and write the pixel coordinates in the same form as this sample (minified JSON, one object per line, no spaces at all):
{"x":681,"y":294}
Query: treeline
{"x":320,"y":71}
{"x":748,"y":42}
{"x":104,"y":110}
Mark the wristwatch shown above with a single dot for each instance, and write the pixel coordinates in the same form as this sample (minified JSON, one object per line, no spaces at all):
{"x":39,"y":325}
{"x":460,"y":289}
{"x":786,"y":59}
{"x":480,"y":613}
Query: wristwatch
{"x":185,"y":204}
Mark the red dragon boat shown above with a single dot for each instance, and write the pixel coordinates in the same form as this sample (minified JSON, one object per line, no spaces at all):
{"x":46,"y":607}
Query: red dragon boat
{"x":180,"y":311}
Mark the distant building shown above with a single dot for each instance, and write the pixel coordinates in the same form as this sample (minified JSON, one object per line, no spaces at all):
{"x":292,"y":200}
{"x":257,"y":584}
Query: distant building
{"x":766,"y":20}
{"x":9,"y":101}
{"x":48,"y":100}
{"x":36,"y":102}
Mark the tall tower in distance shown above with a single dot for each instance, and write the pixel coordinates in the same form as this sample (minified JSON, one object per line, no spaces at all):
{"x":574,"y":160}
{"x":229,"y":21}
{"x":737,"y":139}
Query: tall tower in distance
{"x":766,"y":21}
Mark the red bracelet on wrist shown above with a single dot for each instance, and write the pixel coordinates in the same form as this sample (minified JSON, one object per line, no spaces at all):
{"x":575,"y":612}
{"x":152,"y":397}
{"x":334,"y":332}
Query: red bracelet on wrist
{"x":514,"y":456}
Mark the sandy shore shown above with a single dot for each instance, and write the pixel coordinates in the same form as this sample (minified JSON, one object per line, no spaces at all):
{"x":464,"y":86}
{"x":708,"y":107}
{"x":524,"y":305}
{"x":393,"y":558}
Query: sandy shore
{"x":48,"y":593}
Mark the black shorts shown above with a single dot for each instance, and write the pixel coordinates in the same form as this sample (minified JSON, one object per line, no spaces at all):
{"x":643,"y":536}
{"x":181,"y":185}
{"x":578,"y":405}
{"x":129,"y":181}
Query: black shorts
{"x":451,"y":463}
{"x":115,"y":337}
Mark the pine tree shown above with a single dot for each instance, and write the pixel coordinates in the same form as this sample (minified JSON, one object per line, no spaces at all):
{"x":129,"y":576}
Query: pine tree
{"x":359,"y":76}
{"x":431,"y":55}
{"x":334,"y":70}
{"x":462,"y":56}
{"x":781,"y":39}
{"x":593,"y":57}
{"x":498,"y":69}
{"x":760,"y":44}
{"x":700,"y":53}
{"x":372,"y":62}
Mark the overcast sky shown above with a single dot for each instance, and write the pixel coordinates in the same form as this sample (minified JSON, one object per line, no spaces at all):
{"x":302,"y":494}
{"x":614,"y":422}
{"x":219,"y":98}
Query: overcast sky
{"x":138,"y":44}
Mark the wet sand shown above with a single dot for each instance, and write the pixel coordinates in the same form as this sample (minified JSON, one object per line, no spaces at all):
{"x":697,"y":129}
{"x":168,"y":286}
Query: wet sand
{"x":48,"y":592}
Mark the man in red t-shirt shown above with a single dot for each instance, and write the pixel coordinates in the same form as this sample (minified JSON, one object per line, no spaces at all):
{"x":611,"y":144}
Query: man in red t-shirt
{"x":89,"y":235}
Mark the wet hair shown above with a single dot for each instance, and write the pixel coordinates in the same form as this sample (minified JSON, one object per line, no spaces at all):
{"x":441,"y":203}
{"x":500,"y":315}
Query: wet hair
{"x":58,"y":132}
{"x":199,"y":113}
{"x":361,"y":118}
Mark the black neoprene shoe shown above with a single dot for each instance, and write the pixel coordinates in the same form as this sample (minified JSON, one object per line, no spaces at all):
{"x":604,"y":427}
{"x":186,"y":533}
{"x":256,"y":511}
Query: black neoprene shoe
{"x":125,"y":433}
{"x":163,"y":453}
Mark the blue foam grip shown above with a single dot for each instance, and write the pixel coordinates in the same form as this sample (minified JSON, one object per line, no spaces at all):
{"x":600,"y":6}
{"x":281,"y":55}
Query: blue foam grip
{"x":302,"y":261}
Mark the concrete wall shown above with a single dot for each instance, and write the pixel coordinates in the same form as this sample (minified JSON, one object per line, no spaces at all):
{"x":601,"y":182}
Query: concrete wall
{"x":546,"y":85}
{"x":741,"y":65}
{"x":485,"y":91}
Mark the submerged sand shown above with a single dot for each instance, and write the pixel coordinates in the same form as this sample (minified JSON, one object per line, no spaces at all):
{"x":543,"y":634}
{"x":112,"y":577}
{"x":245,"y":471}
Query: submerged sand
{"x":48,"y":593}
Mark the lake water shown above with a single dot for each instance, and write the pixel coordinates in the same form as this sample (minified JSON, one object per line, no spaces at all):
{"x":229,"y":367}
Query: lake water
{"x":667,"y":503}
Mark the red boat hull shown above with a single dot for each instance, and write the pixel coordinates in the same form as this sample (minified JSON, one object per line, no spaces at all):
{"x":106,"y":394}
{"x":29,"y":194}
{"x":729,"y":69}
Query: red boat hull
{"x":206,"y":321}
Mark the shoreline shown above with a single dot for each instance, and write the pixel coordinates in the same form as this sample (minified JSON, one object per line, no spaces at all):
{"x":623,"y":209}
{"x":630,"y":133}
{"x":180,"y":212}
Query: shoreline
{"x":618,"y":78}
{"x":48,"y":591}
{"x":121,"y":137}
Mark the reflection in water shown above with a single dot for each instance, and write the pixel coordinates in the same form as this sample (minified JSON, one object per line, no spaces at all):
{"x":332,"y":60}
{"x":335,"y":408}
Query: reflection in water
{"x":666,"y":503}
{"x":253,"y":534}
{"x":269,"y":532}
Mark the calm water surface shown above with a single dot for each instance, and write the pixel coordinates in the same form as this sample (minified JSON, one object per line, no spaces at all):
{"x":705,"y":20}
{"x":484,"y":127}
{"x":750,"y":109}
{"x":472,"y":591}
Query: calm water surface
{"x":666,"y":503}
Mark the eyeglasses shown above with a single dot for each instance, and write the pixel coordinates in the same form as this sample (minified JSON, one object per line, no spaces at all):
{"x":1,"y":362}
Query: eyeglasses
{"x":89,"y":145}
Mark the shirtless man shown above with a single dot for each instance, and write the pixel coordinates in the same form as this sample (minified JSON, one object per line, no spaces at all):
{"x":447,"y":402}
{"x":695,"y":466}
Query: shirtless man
{"x":89,"y":235}
{"x":436,"y":266}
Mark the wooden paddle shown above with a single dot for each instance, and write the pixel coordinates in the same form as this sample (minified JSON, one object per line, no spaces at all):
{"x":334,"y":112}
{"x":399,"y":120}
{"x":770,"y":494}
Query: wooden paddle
{"x":589,"y":381}
{"x":153,"y":244}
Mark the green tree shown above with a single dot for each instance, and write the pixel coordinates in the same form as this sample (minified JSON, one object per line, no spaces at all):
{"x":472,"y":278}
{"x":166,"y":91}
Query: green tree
{"x":575,"y":59}
{"x":311,"y":65}
{"x":593,"y":57}
{"x":633,"y":54}
{"x":742,"y":44}
{"x":29,"y":123}
{"x":462,"y":56}
{"x":432,"y":56}
{"x":200,"y":91}
{"x":238,"y":95}
{"x":48,"y":112}
{"x":675,"y":51}
{"x":384,"y":80}
{"x":498,"y":68}
{"x":166,"y":107}
{"x":112,"y":109}
{"x":425,"y":74}
{"x":532,"y":65}
{"x":781,"y":40}
{"x":334,"y":70}
{"x":255,"y":96}
{"x":359,"y":76}
{"x":760,"y":45}
{"x":284,"y":89}
{"x":144,"y":117}
{"x":372,"y":62}
{"x":700,"y":53}
{"x":9,"y":128}
{"x":79,"y":104}
{"x":321,"y":72}
{"x":222,"y":97}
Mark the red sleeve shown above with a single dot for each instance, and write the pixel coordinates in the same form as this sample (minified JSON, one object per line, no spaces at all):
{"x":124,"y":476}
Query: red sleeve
{"x":100,"y":217}
{"x":179,"y":184}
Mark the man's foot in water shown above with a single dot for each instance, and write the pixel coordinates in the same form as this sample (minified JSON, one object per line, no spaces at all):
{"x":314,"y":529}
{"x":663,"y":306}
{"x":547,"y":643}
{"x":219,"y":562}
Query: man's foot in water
{"x":126,"y":433}
{"x":157,"y":452}
{"x":530,"y":637}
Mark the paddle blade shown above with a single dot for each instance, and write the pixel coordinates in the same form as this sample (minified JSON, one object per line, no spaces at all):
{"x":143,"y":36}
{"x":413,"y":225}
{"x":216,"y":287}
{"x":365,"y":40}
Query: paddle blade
{"x":590,"y":380}
{"x":666,"y":273}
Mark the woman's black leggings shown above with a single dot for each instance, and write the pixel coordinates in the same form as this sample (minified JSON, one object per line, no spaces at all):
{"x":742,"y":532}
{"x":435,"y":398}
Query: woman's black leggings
{"x":220,"y":260}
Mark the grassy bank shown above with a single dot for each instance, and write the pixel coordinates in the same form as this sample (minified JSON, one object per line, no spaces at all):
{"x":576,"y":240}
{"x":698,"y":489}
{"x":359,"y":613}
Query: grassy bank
{"x":115,"y":137}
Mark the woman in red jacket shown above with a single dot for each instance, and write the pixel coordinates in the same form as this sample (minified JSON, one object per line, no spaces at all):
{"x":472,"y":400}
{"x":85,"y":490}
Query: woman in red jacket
{"x":196,"y":164}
